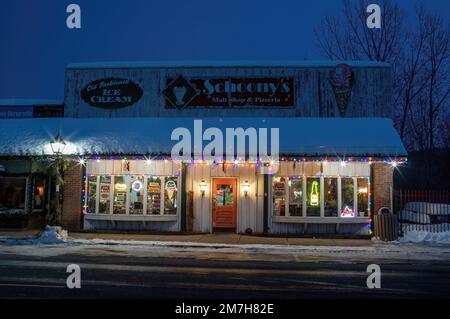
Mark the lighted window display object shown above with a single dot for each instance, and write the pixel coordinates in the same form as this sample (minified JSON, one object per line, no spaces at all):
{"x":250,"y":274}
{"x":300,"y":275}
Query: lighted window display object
{"x":153,"y":195}
{"x":119,"y":203}
{"x":295,"y":196}
{"x":104,"y":202}
{"x":363,"y":196}
{"x":279,"y":196}
{"x":330,"y":197}
{"x":246,"y":188}
{"x":313,"y":198}
{"x":170,"y":195}
{"x":136,"y":195}
{"x":347,"y":193}
{"x":347,"y":212}
{"x":203,"y":186}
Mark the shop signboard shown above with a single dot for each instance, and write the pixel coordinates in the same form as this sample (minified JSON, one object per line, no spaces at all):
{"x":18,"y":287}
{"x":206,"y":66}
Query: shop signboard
{"x":111,"y":93}
{"x":222,"y":92}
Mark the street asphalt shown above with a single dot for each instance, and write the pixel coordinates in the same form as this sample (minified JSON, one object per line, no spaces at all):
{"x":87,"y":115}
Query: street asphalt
{"x":122,"y":273}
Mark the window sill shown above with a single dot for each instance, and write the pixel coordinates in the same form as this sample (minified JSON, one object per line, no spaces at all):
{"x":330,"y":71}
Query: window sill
{"x":155,"y":218}
{"x":320,"y":220}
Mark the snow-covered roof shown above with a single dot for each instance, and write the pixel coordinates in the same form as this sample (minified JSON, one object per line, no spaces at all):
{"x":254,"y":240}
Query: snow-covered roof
{"x":225,"y":64}
{"x":115,"y":136}
{"x":27,"y":102}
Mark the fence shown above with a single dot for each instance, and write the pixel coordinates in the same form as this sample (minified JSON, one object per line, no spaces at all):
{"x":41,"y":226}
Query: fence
{"x":426,"y":210}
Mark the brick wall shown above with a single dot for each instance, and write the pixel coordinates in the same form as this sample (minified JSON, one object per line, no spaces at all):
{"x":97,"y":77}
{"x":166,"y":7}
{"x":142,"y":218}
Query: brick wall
{"x":72,"y":196}
{"x":382,"y":184}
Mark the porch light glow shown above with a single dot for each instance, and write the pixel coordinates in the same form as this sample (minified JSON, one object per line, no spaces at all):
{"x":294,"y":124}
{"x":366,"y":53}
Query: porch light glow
{"x":343,"y":163}
{"x":203,"y":187}
{"x":246,"y":187}
{"x":57,"y":145}
{"x":394,"y":164}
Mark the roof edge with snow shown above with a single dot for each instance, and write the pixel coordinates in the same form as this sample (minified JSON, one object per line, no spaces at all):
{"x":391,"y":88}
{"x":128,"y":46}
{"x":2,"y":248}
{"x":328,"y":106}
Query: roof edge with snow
{"x":226,"y":64}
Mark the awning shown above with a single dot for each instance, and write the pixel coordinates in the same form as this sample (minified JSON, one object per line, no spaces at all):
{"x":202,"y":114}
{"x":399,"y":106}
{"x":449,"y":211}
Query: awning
{"x":342,"y":137}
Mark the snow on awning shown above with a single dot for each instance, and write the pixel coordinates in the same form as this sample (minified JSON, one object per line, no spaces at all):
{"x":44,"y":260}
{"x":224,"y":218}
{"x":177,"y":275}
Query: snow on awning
{"x":140,"y":136}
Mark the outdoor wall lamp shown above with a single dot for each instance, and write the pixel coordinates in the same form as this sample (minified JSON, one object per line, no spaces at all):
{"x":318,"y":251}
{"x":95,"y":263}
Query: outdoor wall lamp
{"x":58,"y":145}
{"x":203,"y":187}
{"x":246,"y":188}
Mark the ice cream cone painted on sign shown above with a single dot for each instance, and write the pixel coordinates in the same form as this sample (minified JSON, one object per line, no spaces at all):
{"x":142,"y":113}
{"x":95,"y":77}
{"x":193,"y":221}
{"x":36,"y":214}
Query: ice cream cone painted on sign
{"x":342,"y":81}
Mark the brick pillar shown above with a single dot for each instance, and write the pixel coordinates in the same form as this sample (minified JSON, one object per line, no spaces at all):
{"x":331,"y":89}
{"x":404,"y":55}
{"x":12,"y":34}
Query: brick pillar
{"x":71,"y":216}
{"x":383,"y":181}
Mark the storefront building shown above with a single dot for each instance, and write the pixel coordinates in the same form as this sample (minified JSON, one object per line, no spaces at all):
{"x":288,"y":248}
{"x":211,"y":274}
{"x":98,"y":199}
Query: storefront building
{"x":337,"y":146}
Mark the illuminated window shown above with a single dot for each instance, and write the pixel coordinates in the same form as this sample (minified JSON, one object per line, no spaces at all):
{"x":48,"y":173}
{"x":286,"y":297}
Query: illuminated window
{"x":347,"y":209}
{"x":363,"y":196}
{"x":170,"y":195}
{"x":330,"y":190}
{"x":279,"y":196}
{"x":104,"y":197}
{"x":295,"y":185}
{"x":120,"y":195}
{"x":153,"y":195}
{"x":313,"y":196}
{"x":136,"y":195}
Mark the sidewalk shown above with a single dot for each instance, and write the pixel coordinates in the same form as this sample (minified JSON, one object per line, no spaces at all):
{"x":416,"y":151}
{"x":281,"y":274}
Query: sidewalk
{"x":216,"y":238}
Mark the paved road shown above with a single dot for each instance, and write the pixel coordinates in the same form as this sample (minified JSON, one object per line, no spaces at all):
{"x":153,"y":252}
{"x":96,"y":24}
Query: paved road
{"x":107,"y":274}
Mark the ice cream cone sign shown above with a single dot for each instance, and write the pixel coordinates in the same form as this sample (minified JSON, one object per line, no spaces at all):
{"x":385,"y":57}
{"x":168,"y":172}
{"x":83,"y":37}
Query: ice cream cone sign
{"x":342,"y":82}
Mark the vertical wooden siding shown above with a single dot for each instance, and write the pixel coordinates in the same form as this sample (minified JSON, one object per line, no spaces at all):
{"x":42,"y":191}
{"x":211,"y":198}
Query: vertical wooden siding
{"x":314,"y":95}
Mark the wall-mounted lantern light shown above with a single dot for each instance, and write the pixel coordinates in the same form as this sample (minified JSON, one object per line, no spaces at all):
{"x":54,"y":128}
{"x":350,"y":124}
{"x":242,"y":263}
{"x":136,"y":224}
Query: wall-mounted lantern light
{"x":57,"y":145}
{"x":203,"y":187}
{"x":246,"y":188}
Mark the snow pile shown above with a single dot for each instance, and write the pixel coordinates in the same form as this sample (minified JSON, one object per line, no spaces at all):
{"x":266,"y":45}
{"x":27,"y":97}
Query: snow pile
{"x":421,"y":236}
{"x":50,"y":235}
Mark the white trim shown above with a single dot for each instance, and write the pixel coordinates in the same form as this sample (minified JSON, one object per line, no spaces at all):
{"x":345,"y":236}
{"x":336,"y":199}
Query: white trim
{"x":163,"y":218}
{"x":322,"y":197}
{"x":320,"y":220}
{"x":97,"y":194}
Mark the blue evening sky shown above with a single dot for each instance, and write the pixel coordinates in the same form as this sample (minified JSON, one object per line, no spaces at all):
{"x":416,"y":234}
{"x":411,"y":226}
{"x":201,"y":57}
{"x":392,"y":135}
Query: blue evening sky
{"x":35,"y":45}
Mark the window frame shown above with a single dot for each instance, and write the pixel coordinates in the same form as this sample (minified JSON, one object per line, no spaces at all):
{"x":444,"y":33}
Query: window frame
{"x":321,"y":196}
{"x":127,"y":180}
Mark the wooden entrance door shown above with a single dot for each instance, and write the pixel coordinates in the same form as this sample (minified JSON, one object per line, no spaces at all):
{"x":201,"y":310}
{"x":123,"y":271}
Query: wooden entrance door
{"x":224,"y":203}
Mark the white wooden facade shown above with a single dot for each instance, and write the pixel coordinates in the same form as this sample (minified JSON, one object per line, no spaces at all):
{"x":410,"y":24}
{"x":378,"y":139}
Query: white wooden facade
{"x":250,"y":206}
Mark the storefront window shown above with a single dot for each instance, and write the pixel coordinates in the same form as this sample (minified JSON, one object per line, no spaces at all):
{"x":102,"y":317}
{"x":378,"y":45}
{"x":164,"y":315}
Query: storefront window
{"x":363,"y":196}
{"x":120,"y":195}
{"x":105,"y":190}
{"x":347,"y":209}
{"x":330,"y":204}
{"x":295,"y":196}
{"x":279,"y":196}
{"x":153,"y":195}
{"x":39,"y":192}
{"x":313,"y":196}
{"x":92,"y":193}
{"x":136,"y":195}
{"x":12,"y":192}
{"x":170,"y":195}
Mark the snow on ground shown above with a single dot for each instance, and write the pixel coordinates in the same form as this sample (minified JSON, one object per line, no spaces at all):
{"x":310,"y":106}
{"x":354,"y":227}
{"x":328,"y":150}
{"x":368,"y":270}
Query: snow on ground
{"x":53,"y":243}
{"x":50,"y":235}
{"x":422,"y":236}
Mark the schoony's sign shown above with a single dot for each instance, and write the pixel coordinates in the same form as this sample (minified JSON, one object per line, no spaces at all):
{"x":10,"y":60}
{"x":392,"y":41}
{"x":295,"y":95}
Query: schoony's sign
{"x":111,"y":93}
{"x":229,"y":92}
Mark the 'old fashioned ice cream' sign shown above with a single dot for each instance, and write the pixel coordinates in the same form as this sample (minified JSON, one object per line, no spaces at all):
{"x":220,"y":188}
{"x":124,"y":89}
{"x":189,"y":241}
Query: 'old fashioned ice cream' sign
{"x":111,"y":93}
{"x":229,"y":92}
